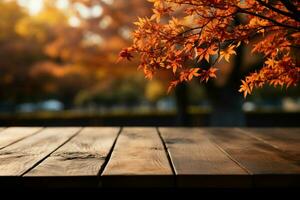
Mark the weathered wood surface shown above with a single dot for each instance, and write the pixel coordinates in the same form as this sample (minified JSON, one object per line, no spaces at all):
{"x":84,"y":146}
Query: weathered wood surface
{"x":20,"y":157}
{"x":268,"y":165}
{"x":283,"y":139}
{"x":139,"y":159}
{"x":78,"y":162}
{"x":14,"y":134}
{"x":150,"y":157}
{"x":200,"y":163}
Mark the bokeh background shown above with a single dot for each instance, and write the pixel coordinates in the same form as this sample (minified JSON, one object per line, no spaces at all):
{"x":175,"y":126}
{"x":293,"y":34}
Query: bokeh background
{"x":58,"y":67}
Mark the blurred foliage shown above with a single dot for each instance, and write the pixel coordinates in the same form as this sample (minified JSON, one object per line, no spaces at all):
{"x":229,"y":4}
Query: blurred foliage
{"x":124,"y":91}
{"x":155,"y":90}
{"x":69,"y":54}
{"x":278,"y":92}
{"x":46,"y":55}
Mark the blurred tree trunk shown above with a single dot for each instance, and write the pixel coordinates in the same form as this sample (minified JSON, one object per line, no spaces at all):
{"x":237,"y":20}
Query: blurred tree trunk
{"x":181,"y":96}
{"x":226,"y":100}
{"x":226,"y":108}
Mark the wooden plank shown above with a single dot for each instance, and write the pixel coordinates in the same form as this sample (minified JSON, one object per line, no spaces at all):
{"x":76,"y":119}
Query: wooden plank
{"x":18,"y":158}
{"x":200,"y":163}
{"x":269,"y":166}
{"x":15,"y":134}
{"x":77,"y":163}
{"x":284,"y":139}
{"x":138,"y":160}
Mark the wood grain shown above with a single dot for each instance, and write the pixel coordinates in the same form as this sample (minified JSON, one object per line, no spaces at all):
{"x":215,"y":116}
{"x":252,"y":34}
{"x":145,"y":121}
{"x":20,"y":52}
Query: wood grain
{"x":77,"y":163}
{"x":17,"y":158}
{"x":144,"y":157}
{"x":284,"y":139}
{"x":138,"y":160}
{"x":269,"y":166}
{"x":200,"y":163}
{"x":15,"y":134}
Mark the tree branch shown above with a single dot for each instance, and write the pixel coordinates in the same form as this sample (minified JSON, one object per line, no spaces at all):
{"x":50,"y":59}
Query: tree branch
{"x":291,"y":7}
{"x":291,"y":15}
{"x":267,"y":18}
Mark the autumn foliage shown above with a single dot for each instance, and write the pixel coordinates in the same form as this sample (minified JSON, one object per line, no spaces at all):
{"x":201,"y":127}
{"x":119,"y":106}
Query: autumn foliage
{"x":182,"y":34}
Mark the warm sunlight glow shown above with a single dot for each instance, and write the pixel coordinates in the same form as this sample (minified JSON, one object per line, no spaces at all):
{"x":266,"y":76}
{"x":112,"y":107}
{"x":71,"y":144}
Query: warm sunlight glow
{"x":85,"y":12}
{"x":74,"y":21}
{"x":33,"y":6}
{"x":62,"y":4}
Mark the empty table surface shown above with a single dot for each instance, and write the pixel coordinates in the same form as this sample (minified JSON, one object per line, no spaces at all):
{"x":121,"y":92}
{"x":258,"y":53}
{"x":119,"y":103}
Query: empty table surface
{"x":156,"y":157}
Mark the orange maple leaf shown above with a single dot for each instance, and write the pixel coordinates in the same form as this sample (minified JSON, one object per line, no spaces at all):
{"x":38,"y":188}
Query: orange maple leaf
{"x":227,"y":53}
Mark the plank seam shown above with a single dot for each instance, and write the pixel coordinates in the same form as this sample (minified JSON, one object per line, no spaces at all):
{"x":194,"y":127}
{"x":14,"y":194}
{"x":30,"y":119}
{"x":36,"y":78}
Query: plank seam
{"x":40,"y":161}
{"x":230,"y":157}
{"x":234,"y":160}
{"x":109,"y":154}
{"x":279,"y":150}
{"x":167,"y":151}
{"x":259,"y":139}
{"x":34,"y":133}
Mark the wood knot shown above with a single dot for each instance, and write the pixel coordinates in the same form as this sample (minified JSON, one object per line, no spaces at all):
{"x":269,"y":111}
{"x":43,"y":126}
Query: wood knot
{"x":78,"y":155}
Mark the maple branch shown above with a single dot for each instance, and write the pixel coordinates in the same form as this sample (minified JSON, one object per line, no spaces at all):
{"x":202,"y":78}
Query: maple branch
{"x":291,"y":7}
{"x":266,"y":18}
{"x":190,"y":30}
{"x":291,"y":15}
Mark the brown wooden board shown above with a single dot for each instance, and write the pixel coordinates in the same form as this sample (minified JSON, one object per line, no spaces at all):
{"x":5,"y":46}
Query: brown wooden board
{"x":144,"y":157}
{"x":138,"y":160}
{"x":20,"y":157}
{"x":15,"y":134}
{"x":200,"y":163}
{"x":283,"y":139}
{"x":268,"y":166}
{"x":77,"y":163}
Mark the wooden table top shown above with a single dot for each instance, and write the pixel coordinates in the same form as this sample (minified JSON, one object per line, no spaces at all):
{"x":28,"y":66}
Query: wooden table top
{"x":114,"y":157}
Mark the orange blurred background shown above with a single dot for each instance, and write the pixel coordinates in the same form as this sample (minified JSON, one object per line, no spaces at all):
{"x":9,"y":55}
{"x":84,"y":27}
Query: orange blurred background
{"x":58,"y":57}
